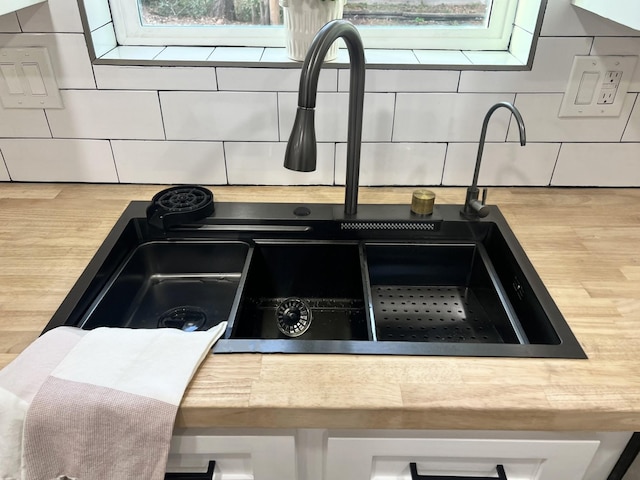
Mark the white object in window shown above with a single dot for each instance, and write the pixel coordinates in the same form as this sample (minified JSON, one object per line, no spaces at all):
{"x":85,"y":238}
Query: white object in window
{"x":495,"y":35}
{"x":625,"y":12}
{"x":8,"y":6}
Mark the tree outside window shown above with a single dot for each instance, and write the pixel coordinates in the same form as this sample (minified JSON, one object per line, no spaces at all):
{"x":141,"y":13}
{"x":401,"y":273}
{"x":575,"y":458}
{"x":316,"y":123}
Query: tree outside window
{"x":267,"y":12}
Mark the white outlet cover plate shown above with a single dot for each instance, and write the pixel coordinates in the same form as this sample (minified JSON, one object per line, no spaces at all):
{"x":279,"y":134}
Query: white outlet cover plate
{"x":600,"y":65}
{"x":27,"y":79}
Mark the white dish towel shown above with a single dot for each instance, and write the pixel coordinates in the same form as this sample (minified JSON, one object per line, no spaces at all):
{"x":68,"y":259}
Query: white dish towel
{"x":96,"y":405}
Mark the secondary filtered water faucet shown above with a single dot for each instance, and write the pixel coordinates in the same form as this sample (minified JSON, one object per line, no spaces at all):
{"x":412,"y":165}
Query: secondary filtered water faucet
{"x":472,"y":206}
{"x":301,"y":148}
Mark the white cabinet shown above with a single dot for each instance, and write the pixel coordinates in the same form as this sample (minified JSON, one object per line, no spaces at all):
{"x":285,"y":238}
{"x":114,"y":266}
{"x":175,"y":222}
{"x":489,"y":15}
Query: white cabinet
{"x":320,"y":454}
{"x":380,"y":455}
{"x":625,"y":12}
{"x":237,"y":455}
{"x":390,"y":458}
{"x":7,"y":6}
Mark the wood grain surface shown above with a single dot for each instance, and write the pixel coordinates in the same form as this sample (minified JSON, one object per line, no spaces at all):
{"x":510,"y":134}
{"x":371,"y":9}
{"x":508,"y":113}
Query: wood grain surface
{"x":585,"y":244}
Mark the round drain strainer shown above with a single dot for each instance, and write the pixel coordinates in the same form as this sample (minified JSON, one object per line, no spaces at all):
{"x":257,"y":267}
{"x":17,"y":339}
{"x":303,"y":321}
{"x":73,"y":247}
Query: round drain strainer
{"x":185,"y":318}
{"x":293,"y":317}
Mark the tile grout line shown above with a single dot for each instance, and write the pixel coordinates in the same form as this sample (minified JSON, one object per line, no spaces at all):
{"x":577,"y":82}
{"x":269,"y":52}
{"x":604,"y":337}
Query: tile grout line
{"x":636,"y":104}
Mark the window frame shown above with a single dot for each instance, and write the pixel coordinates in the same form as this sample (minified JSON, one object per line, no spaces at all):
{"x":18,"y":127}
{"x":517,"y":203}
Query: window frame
{"x":496,"y":36}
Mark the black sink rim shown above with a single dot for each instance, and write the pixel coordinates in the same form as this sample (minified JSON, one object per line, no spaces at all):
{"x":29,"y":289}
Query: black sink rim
{"x":277,"y":221}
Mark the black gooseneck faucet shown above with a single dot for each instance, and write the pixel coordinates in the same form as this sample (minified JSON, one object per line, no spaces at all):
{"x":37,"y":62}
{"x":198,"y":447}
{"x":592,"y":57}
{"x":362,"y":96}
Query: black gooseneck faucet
{"x":472,"y":206}
{"x":301,"y":148}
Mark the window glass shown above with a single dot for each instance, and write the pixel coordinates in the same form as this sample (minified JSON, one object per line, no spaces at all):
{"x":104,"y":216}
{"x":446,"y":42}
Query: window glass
{"x":405,"y":24}
{"x":385,"y":13}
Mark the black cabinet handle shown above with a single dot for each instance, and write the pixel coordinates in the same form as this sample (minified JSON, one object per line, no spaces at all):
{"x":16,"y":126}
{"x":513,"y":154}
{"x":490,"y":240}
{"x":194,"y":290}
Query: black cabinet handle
{"x":415,"y":476}
{"x":208,"y":475}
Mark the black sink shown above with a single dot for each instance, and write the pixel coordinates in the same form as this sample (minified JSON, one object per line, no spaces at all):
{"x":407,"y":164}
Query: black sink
{"x":305,"y":279}
{"x":439,"y":293}
{"x":318,"y":284}
{"x":186,"y":285}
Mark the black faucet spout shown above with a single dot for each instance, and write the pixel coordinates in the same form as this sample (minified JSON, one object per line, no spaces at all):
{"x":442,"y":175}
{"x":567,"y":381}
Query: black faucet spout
{"x":473,"y":207}
{"x":301,"y":148}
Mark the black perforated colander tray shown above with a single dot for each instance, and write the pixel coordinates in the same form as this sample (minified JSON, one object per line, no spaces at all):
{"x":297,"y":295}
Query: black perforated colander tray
{"x":431,"y":314}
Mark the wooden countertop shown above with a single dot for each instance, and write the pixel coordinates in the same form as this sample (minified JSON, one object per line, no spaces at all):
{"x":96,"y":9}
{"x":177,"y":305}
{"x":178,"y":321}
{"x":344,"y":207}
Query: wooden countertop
{"x":585,"y":244}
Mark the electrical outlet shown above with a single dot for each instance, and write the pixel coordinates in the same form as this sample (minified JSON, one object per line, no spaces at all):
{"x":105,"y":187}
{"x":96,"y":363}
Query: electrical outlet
{"x":612,"y":79}
{"x":607,"y":96}
{"x":597,"y":86}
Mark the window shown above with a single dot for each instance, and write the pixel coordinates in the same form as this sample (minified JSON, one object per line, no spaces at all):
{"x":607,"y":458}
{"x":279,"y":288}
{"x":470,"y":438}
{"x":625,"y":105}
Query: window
{"x":404,"y":24}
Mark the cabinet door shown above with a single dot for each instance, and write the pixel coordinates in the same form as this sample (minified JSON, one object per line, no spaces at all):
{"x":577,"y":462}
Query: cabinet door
{"x":352,"y":458}
{"x":247,"y":457}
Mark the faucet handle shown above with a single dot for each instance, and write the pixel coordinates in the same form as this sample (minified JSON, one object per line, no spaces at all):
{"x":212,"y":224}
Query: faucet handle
{"x":473,"y":207}
{"x":481,"y":207}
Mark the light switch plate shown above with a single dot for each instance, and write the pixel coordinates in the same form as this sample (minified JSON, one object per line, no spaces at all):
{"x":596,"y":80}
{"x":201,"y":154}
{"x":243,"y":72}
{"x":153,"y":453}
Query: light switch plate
{"x":597,"y":86}
{"x":27,"y":80}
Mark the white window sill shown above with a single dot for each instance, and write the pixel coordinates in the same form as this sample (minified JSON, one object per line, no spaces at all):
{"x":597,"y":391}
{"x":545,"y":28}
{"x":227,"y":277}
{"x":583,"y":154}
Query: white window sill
{"x":277,"y":57}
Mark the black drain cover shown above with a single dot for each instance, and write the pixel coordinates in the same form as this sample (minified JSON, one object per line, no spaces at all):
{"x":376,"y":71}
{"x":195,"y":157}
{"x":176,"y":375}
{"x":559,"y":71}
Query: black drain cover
{"x":185,"y":318}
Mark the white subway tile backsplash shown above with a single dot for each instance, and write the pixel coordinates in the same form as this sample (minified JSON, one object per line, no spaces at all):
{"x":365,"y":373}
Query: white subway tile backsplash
{"x":409,"y":115}
{"x":632,"y":131}
{"x":114,"y":77}
{"x":276,"y":55}
{"x":478,"y":57}
{"x":332,"y":115}
{"x":381,"y":56}
{"x":507,"y":164}
{"x":172,"y":54}
{"x":521,"y":41}
{"x":271,"y":79}
{"x":165,"y":162}
{"x":604,"y":164}
{"x":564,"y":19}
{"x":98,"y":13}
{"x":540,"y":114}
{"x":448,"y":117}
{"x":620,"y":46}
{"x":132,"y":53}
{"x":59,"y":160}
{"x":343,"y":55}
{"x":4,"y":173}
{"x":68,"y":52}
{"x":551,"y":68}
{"x":441,"y":57}
{"x":527,"y":14}
{"x":9,"y":23}
{"x":107,"y":114}
{"x":395,"y":163}
{"x":16,"y":122}
{"x":232,"y":116}
{"x":104,"y":39}
{"x":263,"y":164}
{"x":51,"y":16}
{"x":404,"y":80}
{"x":236,"y":54}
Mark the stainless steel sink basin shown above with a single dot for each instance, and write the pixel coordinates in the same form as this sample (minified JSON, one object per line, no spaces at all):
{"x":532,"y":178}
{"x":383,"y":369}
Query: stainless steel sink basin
{"x":308,"y":279}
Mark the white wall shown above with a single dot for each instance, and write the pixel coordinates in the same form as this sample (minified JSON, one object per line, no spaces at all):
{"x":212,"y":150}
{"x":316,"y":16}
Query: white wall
{"x":230,"y":125}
